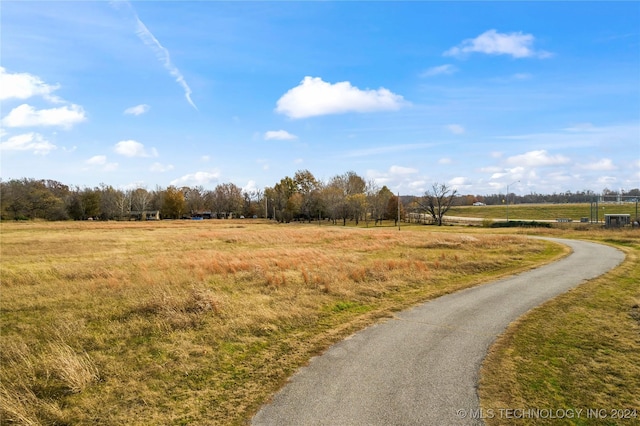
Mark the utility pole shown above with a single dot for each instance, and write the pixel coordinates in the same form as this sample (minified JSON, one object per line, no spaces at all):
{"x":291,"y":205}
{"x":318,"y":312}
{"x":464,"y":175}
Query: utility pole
{"x":508,"y":198}
{"x":398,"y":211}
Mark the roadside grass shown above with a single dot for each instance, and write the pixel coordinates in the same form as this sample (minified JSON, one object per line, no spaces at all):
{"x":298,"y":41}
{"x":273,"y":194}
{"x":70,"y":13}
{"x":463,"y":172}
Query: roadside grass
{"x":181,"y":322}
{"x":573,"y":211}
{"x":580,"y":351}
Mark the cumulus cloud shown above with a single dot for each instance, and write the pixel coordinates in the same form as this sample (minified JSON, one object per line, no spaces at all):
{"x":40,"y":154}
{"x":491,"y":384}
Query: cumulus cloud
{"x":250,"y":187}
{"x":601,"y":165}
{"x":517,"y":45}
{"x":197,"y":179}
{"x":445,"y":69}
{"x":27,"y":116}
{"x":607,"y":180}
{"x":97,"y":160}
{"x":131,"y":148}
{"x":456,"y":129}
{"x":137,"y":110}
{"x":25,"y":86}
{"x":33,"y":142}
{"x":101,"y":162}
{"x":398,"y":178}
{"x":399,"y":170}
{"x":537,"y":159}
{"x":490,"y":169}
{"x":314,"y":97}
{"x":282,"y":135}
{"x":161,"y":168}
{"x":459,"y":182}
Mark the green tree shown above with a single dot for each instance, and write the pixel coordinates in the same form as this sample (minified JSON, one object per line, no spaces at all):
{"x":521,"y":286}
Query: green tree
{"x":173,"y":203}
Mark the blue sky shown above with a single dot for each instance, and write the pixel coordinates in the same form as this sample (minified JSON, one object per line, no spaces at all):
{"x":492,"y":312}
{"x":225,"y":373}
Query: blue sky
{"x":544,"y":96}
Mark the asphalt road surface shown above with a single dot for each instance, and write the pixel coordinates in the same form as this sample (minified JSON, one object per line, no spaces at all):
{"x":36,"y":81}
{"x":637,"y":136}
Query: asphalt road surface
{"x":422,"y":366}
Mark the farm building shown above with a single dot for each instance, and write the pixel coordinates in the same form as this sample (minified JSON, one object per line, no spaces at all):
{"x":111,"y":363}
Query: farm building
{"x":144,"y":215}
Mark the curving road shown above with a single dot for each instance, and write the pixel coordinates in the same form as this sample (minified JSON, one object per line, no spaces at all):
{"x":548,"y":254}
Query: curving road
{"x":421,"y":367}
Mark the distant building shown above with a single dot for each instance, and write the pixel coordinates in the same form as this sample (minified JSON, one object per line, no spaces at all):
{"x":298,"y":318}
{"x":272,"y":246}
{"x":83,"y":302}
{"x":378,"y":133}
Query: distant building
{"x":144,"y":215}
{"x":616,"y":220}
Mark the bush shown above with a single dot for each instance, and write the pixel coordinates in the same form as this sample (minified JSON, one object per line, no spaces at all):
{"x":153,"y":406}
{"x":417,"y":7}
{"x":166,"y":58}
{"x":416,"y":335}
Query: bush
{"x":520,"y":224}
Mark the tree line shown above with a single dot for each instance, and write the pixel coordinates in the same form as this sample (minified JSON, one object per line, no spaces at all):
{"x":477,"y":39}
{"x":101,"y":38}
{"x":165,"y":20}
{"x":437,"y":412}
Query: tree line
{"x":344,"y":197}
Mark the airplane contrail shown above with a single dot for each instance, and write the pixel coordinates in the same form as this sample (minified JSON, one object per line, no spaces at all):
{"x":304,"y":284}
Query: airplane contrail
{"x":162,"y":53}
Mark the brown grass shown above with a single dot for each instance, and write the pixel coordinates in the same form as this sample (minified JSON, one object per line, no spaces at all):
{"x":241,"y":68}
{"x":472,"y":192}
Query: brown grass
{"x":200,"y":322}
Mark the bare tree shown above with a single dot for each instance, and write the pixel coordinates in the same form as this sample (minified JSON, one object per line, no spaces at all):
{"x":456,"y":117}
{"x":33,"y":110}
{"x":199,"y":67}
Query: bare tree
{"x":228,"y":199}
{"x":437,"y":201}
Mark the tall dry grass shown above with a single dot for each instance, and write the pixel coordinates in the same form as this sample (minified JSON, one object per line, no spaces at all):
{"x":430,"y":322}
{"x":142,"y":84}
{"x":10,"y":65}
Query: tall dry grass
{"x":199,"y":322}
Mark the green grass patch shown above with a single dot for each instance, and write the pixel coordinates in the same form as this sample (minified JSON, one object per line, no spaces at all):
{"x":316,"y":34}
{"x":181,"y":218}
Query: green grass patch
{"x":580,"y":351}
{"x":529,"y":212}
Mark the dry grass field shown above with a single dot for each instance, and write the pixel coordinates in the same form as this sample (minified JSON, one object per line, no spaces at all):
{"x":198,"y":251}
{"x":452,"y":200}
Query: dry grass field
{"x":198,"y":322}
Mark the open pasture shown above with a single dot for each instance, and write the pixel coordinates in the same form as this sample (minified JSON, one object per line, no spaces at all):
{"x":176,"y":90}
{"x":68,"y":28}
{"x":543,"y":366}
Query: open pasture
{"x":179,"y":322}
{"x":551,"y":212}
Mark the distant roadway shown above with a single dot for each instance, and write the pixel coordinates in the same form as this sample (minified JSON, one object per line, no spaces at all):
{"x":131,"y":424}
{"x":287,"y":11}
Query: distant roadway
{"x":422,"y":366}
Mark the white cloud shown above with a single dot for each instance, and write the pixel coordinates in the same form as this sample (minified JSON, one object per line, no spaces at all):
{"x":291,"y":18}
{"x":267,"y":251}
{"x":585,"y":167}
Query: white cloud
{"x":491,"y":42}
{"x":101,"y":160}
{"x":459,"y":182}
{"x":97,"y":160}
{"x":418,"y":185}
{"x":314,"y":97}
{"x":607,"y":180}
{"x":250,"y":187}
{"x":279,"y":135}
{"x":34,"y":142}
{"x":27,"y":116}
{"x":398,"y":178}
{"x":399,"y":170}
{"x":25,"y":86}
{"x":137,"y":110}
{"x":537,"y":158}
{"x":498,"y":175}
{"x":445,"y":69}
{"x":205,"y":158}
{"x":601,"y":165}
{"x":131,"y":148}
{"x":444,"y":160}
{"x":161,"y":168}
{"x":298,"y":161}
{"x":456,"y":129}
{"x":196,"y":179}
